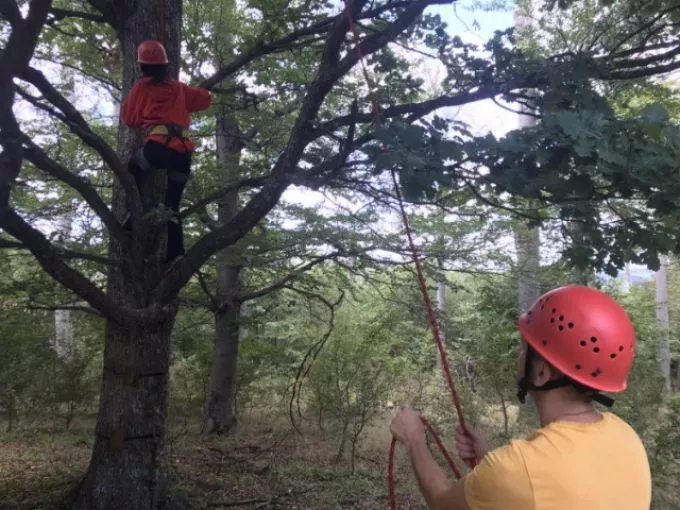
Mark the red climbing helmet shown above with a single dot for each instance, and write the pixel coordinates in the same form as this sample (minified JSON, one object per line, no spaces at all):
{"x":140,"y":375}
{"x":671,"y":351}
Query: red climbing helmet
{"x":151,"y":52}
{"x":584,"y":333}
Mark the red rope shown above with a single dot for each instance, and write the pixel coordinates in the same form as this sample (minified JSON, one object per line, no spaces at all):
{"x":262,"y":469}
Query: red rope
{"x":432,"y":317}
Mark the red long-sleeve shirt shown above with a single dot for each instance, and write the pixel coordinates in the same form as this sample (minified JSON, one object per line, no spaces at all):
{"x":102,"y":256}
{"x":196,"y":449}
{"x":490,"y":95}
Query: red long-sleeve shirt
{"x":170,"y":102}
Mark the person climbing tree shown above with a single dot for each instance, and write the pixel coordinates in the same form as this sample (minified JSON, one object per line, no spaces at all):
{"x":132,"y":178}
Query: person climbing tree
{"x":162,"y":107}
{"x":576,"y":343}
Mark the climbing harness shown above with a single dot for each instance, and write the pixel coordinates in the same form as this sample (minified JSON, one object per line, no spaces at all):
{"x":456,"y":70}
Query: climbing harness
{"x":421,"y":280}
{"x":169,"y":130}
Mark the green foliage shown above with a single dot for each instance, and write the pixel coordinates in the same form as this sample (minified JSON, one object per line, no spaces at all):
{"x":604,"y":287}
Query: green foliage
{"x":353,"y":377}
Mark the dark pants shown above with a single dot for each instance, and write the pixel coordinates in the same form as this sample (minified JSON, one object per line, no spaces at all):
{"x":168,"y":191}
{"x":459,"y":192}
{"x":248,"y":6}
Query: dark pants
{"x":178,"y":166}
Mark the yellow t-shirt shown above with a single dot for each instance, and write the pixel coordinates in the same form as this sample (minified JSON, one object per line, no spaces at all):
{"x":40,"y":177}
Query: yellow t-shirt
{"x":565,"y":466}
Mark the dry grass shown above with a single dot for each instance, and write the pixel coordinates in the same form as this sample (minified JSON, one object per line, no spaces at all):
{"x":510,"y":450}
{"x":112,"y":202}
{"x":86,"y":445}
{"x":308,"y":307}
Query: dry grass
{"x":266,"y":465}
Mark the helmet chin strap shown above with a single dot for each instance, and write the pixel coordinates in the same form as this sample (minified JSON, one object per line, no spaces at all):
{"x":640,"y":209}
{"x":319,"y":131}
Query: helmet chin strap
{"x":524,"y":385}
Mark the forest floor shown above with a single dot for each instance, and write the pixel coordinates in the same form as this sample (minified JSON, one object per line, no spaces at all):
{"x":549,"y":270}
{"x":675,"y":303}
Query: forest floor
{"x":266,"y":465}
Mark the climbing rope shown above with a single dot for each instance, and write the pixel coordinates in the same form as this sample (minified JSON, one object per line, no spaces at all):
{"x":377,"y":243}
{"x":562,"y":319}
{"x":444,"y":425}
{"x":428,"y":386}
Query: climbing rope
{"x":434,"y":326}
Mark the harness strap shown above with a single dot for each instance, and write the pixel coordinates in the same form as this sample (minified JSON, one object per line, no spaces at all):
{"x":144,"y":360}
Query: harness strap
{"x":169,"y":130}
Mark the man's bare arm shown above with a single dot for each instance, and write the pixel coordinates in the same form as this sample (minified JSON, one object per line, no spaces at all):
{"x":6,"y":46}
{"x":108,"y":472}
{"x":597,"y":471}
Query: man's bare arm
{"x":440,"y":493}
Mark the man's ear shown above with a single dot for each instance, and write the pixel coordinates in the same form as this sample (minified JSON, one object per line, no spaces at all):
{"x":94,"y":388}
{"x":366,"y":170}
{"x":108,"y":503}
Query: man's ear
{"x":542,"y":372}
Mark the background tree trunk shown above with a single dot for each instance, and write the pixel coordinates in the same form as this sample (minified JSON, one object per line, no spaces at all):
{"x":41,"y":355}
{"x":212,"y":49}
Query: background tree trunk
{"x":126,"y":466}
{"x":527,"y":240}
{"x":527,"y":244}
{"x":220,"y":410}
{"x":661,"y":277}
{"x":64,"y":342}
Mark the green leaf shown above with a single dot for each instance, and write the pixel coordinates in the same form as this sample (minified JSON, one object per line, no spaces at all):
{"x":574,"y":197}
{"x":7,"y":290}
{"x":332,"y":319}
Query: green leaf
{"x":655,"y":113}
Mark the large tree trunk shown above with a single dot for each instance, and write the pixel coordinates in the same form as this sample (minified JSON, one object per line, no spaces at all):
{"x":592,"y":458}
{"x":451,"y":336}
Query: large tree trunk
{"x":664,"y":323}
{"x":220,"y":409}
{"x":126,"y":469}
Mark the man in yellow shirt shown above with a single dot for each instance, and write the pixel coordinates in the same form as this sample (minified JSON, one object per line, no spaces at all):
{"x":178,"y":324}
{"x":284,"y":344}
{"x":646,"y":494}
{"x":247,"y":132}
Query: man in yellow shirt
{"x":576,"y":343}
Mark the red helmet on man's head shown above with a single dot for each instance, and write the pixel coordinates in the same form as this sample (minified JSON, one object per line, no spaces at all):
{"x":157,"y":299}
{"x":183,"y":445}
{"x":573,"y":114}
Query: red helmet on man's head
{"x":585,"y":334}
{"x":151,"y":52}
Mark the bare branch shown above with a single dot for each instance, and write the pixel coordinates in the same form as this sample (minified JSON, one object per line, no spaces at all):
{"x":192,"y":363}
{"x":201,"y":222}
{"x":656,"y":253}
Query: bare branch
{"x":42,"y":161}
{"x":206,"y":289}
{"x":77,"y":123}
{"x":59,"y":14}
{"x":262,"y":48}
{"x":313,"y":351}
{"x":32,"y":305}
{"x":295,"y":273}
{"x":49,"y":258}
{"x":63,"y":252}
{"x":249,"y":182}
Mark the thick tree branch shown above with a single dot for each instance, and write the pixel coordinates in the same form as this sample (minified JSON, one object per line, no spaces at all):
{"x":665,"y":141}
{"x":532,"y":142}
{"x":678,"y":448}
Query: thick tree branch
{"x":13,"y":59}
{"x":108,"y":11}
{"x":331,"y":52}
{"x":10,"y":11}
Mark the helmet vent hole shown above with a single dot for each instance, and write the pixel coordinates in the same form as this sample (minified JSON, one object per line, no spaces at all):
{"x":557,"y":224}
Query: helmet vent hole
{"x":570,"y":325}
{"x":554,"y":310}
{"x":596,"y":349}
{"x":612,"y":356}
{"x":620,"y":348}
{"x":596,"y":372}
{"x":545,"y":342}
{"x":561,"y":317}
{"x":593,"y":339}
{"x":560,"y":327}
{"x":529,"y":313}
{"x":578,"y":367}
{"x":552,"y":321}
{"x":583,"y":343}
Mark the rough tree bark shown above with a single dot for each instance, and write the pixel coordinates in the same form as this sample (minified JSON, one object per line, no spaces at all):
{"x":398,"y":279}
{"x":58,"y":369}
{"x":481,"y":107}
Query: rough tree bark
{"x":126,"y":466}
{"x":220,"y":409}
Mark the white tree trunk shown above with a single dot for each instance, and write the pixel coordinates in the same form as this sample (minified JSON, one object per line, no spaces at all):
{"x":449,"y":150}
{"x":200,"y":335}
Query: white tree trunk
{"x":441,"y":299}
{"x":64,"y":341}
{"x":661,"y":278}
{"x":527,"y":245}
